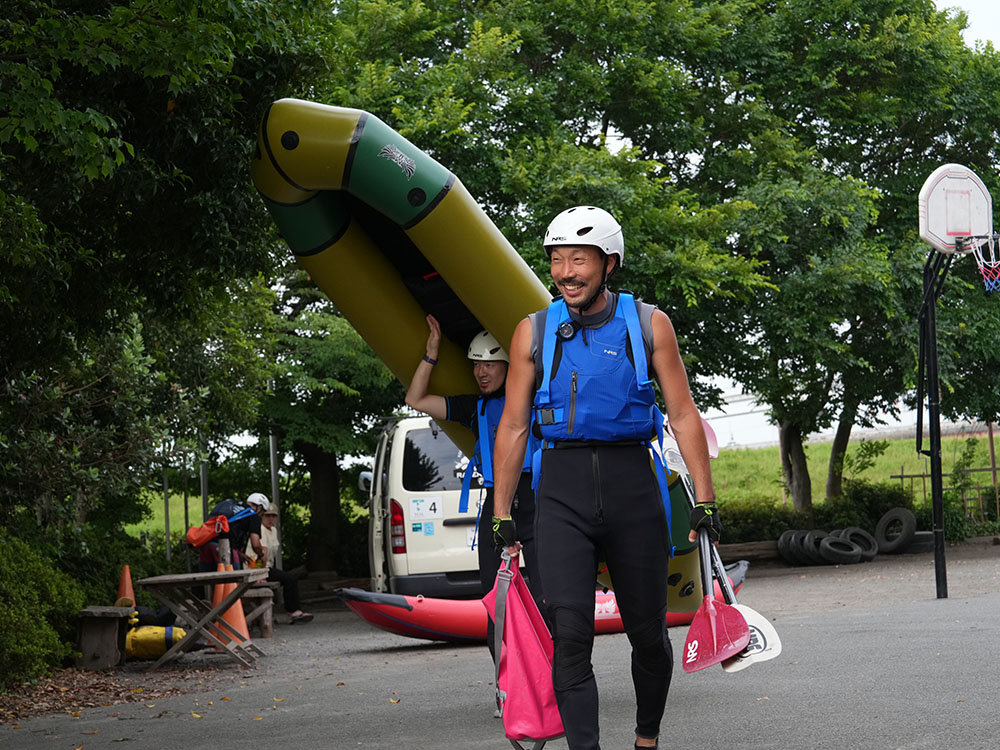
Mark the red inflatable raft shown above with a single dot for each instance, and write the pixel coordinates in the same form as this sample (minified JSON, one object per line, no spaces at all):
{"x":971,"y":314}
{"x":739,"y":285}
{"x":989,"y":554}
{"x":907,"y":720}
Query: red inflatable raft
{"x":464,"y":620}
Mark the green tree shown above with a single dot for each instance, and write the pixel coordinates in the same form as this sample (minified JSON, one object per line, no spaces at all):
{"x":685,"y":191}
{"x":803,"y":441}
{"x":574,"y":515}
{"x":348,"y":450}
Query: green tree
{"x":132,"y":253}
{"x":131,"y":245}
{"x":878,"y":92}
{"x":329,"y":392}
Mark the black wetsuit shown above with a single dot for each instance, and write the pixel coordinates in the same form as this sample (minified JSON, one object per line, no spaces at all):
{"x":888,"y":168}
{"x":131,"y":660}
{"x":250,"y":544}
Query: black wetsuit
{"x":600,"y":500}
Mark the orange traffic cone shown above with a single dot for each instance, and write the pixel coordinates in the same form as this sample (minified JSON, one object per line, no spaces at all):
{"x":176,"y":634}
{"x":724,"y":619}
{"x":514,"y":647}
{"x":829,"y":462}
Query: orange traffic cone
{"x":126,"y":597}
{"x":234,"y":615}
{"x":218,"y":594}
{"x":219,"y":589}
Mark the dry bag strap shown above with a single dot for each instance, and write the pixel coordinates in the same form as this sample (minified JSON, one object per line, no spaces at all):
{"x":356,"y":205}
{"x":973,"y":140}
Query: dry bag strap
{"x":504,"y":576}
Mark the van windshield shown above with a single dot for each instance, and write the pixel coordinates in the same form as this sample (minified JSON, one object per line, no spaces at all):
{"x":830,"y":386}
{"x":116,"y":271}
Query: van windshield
{"x":432,"y":462}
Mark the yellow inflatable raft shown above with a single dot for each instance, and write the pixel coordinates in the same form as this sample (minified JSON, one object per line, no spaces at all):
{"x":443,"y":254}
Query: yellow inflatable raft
{"x":390,"y":235}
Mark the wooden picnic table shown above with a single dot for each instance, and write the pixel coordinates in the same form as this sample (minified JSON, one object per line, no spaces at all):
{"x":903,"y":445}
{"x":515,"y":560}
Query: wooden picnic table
{"x":200,"y":618}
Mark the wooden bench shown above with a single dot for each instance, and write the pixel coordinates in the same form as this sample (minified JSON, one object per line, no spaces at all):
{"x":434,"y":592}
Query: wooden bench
{"x":102,"y":636}
{"x":258,"y":606}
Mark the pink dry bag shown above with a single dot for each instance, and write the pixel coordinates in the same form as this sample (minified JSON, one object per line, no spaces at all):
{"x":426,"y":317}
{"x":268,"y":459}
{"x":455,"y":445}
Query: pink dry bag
{"x":523,"y":652}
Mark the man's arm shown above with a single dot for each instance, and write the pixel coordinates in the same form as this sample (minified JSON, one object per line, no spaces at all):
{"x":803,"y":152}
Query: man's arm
{"x":512,"y":432}
{"x":684,"y":418}
{"x":417,"y":396}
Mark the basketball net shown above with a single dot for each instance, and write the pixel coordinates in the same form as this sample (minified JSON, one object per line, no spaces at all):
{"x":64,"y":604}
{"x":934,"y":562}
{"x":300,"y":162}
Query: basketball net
{"x":985,"y":251}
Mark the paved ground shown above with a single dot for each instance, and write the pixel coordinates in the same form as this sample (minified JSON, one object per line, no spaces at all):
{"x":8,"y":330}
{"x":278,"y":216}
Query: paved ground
{"x":872,"y":659}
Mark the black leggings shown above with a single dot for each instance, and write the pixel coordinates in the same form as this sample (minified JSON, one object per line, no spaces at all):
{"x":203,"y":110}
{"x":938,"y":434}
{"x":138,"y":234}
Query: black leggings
{"x":603,"y":503}
{"x":289,"y":588}
{"x":523,"y":512}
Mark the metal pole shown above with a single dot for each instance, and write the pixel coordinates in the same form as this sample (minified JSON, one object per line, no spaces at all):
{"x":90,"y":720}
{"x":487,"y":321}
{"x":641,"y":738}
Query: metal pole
{"x":187,"y":518}
{"x":166,"y":507}
{"x":934,"y":272}
{"x":274,"y":492}
{"x":204,"y":476}
{"x":993,"y":469}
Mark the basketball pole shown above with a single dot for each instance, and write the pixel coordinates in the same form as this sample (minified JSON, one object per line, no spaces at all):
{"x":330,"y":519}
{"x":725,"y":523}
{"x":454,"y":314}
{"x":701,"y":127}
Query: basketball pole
{"x":935,"y":271}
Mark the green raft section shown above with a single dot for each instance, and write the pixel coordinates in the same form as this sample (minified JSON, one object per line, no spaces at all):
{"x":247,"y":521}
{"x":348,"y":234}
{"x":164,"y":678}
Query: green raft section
{"x":390,"y":235}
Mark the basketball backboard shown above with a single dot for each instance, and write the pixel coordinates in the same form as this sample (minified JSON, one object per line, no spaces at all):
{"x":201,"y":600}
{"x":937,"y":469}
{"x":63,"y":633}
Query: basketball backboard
{"x":954,"y":203}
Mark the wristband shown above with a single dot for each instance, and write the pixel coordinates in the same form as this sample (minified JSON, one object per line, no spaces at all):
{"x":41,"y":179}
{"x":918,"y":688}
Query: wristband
{"x":430,"y":361}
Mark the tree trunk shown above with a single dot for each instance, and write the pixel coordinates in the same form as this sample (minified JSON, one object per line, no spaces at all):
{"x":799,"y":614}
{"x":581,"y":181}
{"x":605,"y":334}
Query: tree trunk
{"x":835,"y":471}
{"x":793,"y":464}
{"x":323,"y":540}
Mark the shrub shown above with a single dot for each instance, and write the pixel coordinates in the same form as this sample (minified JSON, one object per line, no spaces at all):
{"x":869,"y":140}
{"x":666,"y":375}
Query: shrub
{"x":957,"y":525}
{"x":863,"y":505}
{"x":38,"y":608}
{"x":756,"y":520}
{"x":872,"y":500}
{"x":839,"y":513}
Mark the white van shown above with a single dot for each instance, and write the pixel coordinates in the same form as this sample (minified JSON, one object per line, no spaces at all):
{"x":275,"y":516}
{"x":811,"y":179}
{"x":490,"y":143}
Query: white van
{"x":418,"y":542}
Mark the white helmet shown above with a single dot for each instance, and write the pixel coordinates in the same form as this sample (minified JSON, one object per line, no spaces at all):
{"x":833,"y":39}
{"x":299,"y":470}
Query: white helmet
{"x":259,"y":498}
{"x":485,"y":348}
{"x":586,"y":225}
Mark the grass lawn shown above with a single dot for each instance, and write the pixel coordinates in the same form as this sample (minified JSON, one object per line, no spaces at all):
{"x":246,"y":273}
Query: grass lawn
{"x":755,"y":474}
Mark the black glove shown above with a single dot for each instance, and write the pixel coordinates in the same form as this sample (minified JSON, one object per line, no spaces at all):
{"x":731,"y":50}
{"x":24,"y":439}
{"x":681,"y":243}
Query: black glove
{"x":706,"y":516}
{"x":504,"y":533}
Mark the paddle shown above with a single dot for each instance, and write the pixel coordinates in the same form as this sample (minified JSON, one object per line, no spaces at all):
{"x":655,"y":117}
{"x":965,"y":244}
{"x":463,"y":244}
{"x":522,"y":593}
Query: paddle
{"x":718,"y":631}
{"x":764,"y":641}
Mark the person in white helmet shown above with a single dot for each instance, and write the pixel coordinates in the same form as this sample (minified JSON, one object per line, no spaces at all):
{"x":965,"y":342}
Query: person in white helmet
{"x":244,"y":530}
{"x":481,"y":414}
{"x":580,"y":379}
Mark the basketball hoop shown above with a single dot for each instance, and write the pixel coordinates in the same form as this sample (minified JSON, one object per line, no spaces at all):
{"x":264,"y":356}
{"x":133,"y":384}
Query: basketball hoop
{"x":984,"y":249}
{"x":954,"y":205}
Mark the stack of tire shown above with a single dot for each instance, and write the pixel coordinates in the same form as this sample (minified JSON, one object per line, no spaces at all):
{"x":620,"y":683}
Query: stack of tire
{"x":895,"y":532}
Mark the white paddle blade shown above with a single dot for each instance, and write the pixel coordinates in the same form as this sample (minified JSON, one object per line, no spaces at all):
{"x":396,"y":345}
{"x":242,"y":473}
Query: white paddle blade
{"x":764,"y":641}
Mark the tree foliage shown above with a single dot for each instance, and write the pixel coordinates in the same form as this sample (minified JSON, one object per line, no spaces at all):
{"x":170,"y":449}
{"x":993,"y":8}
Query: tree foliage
{"x":763,"y":158}
{"x":329,"y":391}
{"x":132,"y":247}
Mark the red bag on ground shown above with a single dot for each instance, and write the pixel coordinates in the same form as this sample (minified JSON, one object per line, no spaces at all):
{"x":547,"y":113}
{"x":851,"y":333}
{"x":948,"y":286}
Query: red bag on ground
{"x":198,"y":536}
{"x":523,"y":652}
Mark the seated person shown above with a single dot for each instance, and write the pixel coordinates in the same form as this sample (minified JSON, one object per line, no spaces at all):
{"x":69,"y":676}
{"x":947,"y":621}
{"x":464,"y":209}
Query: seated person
{"x":289,"y":584}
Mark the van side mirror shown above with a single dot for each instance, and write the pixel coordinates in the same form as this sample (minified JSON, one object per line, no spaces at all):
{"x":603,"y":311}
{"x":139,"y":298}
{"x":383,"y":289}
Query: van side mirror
{"x":365,"y":482}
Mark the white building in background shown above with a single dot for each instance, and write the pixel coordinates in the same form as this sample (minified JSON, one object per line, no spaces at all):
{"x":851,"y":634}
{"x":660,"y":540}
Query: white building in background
{"x":743,"y":423}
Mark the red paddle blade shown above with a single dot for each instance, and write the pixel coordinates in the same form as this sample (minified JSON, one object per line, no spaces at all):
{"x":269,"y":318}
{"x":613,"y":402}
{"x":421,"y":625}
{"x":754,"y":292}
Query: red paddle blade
{"x":718,"y":632}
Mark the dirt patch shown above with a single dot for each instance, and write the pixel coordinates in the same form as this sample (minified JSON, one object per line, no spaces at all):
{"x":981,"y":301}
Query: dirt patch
{"x":73,"y":690}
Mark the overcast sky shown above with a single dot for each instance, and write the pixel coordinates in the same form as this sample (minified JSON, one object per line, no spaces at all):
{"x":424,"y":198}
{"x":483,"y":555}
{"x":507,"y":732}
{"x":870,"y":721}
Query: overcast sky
{"x":984,"y":19}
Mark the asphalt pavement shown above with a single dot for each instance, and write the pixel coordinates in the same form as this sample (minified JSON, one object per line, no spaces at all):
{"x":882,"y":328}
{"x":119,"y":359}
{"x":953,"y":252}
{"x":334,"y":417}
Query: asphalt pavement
{"x":871,"y":659}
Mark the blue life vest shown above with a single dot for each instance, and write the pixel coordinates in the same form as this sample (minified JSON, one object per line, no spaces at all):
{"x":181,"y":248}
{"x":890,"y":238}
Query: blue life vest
{"x":597,"y":393}
{"x":488,"y":413}
{"x":233,"y":510}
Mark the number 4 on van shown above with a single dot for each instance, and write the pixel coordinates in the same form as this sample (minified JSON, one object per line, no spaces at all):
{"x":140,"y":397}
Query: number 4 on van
{"x":425,"y":508}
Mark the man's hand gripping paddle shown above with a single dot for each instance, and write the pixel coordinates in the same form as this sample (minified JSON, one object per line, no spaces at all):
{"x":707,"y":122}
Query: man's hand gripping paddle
{"x":718,"y":631}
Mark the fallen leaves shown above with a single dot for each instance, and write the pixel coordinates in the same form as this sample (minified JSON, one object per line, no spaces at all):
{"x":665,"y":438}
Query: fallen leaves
{"x":71,"y":691}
